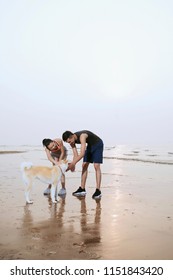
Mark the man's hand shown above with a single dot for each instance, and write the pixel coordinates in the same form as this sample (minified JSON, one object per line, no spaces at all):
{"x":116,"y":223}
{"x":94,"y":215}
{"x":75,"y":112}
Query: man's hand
{"x":71,"y":166}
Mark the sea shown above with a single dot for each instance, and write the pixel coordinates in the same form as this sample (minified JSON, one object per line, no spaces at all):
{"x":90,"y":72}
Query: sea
{"x":146,"y":154}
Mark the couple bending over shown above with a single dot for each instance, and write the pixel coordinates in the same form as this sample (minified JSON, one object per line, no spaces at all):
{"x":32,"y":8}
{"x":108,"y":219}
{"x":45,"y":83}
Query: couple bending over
{"x":91,"y":150}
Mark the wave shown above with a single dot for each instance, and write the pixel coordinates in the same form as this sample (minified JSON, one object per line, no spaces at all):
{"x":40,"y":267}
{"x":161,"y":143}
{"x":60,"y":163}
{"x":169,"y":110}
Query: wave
{"x":141,"y":160}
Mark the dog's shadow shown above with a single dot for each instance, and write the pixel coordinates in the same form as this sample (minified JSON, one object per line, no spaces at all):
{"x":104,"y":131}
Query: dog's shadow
{"x":47,"y":229}
{"x":57,"y":211}
{"x":57,"y":234}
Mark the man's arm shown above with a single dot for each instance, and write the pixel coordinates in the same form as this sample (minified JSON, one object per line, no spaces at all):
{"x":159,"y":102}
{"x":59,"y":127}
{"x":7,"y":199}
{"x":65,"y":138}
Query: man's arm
{"x":77,"y":157}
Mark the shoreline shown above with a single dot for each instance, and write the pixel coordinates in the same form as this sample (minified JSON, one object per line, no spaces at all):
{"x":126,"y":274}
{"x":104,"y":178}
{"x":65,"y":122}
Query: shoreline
{"x":12,"y":152}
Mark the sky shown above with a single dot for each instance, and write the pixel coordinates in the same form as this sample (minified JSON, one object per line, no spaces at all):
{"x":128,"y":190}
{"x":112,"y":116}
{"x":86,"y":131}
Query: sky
{"x":101,"y":65}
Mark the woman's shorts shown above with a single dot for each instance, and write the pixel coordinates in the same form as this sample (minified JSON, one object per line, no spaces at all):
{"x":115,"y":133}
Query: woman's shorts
{"x":94,"y":154}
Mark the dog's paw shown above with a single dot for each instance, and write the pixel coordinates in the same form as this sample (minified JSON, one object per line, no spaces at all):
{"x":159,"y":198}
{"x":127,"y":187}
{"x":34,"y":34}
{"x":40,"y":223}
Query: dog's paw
{"x":29,"y":202}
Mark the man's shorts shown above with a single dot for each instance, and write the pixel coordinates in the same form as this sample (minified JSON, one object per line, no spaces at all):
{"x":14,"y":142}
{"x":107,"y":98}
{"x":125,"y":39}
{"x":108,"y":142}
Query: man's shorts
{"x":94,"y":154}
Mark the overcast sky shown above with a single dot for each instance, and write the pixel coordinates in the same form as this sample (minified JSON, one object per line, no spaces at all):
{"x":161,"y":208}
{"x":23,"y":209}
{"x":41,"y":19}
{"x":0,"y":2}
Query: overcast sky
{"x":101,"y":65}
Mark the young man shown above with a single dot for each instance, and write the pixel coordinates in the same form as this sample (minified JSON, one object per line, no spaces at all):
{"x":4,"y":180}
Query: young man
{"x":91,"y":151}
{"x":55,"y":151}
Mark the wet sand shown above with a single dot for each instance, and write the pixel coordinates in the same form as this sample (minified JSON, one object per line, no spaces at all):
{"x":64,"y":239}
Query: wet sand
{"x":133,"y":219}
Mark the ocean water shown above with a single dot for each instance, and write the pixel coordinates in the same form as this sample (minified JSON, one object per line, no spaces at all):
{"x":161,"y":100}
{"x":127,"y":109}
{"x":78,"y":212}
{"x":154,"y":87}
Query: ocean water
{"x":145,"y":154}
{"x":155,"y":155}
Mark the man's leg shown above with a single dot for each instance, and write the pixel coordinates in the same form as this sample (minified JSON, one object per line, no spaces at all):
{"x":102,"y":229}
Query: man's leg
{"x":98,"y":175}
{"x":81,"y":190}
{"x":97,"y":193}
{"x":84,"y":174}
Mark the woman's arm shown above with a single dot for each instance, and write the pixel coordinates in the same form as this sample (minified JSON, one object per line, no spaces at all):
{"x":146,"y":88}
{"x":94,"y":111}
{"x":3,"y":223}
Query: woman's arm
{"x":50,"y":158}
{"x":62,"y":150}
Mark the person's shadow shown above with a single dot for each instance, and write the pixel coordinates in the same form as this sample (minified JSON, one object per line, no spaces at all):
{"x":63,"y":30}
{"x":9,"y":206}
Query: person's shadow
{"x":90,"y":227}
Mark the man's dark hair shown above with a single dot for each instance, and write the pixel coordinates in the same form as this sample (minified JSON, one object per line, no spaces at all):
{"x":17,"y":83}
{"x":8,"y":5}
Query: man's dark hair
{"x":66,"y":135}
{"x":46,"y":142}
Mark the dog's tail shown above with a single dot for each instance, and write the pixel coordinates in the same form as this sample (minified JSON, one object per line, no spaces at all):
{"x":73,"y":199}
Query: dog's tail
{"x":25,"y":165}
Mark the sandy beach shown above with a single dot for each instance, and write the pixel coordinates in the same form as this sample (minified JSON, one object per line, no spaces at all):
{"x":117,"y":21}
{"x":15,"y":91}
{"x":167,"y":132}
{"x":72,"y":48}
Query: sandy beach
{"x":132,"y":220}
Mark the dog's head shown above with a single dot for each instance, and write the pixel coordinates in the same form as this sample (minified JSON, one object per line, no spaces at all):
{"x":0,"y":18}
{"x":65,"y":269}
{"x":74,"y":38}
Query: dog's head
{"x":64,"y":161}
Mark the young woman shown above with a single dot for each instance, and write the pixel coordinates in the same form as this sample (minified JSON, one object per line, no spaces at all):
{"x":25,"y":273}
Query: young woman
{"x":55,"y":151}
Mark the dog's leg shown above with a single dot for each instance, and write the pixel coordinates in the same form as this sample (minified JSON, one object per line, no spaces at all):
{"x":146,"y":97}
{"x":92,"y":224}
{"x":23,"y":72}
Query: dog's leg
{"x":53,"y":189}
{"x":27,"y":193}
{"x":28,"y":186}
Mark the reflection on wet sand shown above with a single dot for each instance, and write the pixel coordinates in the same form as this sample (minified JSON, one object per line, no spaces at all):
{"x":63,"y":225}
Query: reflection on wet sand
{"x":57,"y":237}
{"x":57,"y":211}
{"x":42,"y":237}
{"x":90,"y":235}
{"x":90,"y":231}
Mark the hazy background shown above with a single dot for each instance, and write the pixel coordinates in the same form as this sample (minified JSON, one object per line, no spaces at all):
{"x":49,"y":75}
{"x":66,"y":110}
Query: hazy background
{"x":102,"y":65}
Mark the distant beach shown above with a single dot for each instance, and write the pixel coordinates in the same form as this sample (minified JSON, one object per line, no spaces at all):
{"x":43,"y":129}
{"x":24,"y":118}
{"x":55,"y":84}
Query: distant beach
{"x":133,"y":219}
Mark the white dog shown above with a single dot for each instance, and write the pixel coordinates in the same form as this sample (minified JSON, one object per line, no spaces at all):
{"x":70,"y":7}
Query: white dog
{"x":50,"y":175}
